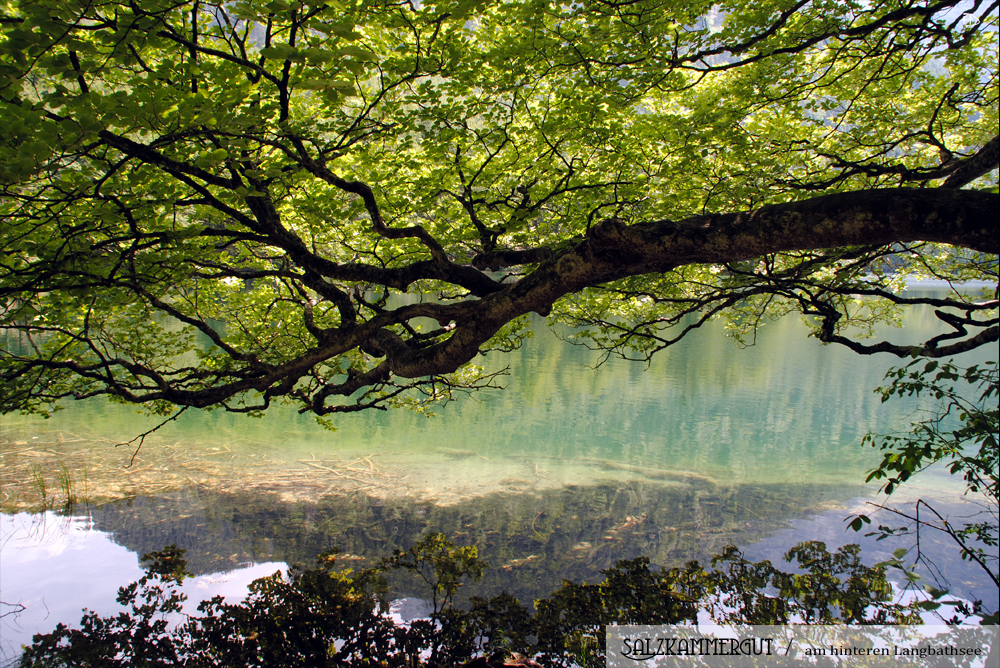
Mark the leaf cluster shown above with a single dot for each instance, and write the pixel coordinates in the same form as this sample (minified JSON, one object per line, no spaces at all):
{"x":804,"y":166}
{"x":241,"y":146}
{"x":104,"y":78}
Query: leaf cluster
{"x":961,"y":434}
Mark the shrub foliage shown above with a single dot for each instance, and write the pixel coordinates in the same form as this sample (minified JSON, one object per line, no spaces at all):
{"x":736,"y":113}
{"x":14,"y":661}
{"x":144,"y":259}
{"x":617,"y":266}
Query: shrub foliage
{"x":333,"y":616}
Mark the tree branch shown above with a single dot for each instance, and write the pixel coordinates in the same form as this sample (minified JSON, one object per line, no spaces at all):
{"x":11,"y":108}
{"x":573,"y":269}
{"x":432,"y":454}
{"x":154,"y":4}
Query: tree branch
{"x":983,"y":162}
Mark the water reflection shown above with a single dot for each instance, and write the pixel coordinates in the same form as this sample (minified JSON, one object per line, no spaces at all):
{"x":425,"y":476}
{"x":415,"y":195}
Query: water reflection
{"x":559,"y":476}
{"x":54,"y":565}
{"x":531,"y":541}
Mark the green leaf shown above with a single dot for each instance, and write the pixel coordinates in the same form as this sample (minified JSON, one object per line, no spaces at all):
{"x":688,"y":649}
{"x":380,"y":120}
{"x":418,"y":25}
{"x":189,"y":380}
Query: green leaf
{"x":859,"y":521}
{"x":317,"y":55}
{"x":357,"y":53}
{"x":338,"y":85}
{"x":279,"y":51}
{"x":242,"y":10}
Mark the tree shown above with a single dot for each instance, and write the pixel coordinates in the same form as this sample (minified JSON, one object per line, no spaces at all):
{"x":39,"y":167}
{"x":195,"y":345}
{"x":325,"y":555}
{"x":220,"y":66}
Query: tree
{"x":961,"y":434}
{"x":348,"y":202}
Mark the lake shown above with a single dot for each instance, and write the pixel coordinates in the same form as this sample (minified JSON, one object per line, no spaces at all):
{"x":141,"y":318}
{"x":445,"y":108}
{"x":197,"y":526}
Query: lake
{"x":566,"y":471}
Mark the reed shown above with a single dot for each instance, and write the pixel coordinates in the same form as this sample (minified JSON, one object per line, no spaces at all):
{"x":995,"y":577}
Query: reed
{"x":65,"y":479}
{"x":39,"y":485}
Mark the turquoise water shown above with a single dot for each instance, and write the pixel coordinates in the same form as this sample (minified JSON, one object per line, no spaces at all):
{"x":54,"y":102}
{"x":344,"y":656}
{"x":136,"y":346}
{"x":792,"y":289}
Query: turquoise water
{"x":559,"y":475}
{"x":788,"y":410}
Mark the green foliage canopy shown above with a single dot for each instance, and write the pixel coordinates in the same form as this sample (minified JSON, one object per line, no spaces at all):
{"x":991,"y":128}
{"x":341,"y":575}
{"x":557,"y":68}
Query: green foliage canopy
{"x":224,"y":204}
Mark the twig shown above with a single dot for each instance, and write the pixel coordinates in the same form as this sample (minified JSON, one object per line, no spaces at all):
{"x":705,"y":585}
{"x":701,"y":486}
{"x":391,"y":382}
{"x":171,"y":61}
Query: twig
{"x":142,"y":437}
{"x":19,"y":608}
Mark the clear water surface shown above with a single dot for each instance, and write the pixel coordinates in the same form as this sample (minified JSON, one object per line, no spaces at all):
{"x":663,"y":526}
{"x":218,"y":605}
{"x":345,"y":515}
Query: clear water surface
{"x":564,"y":472}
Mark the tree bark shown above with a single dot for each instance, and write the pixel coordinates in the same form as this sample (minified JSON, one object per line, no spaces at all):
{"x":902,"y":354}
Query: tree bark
{"x":614,"y":250}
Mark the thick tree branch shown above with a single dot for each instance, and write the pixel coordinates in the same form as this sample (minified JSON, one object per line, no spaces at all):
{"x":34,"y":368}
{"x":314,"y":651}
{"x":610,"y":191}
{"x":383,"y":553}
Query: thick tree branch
{"x":983,"y":162}
{"x":614,"y":250}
